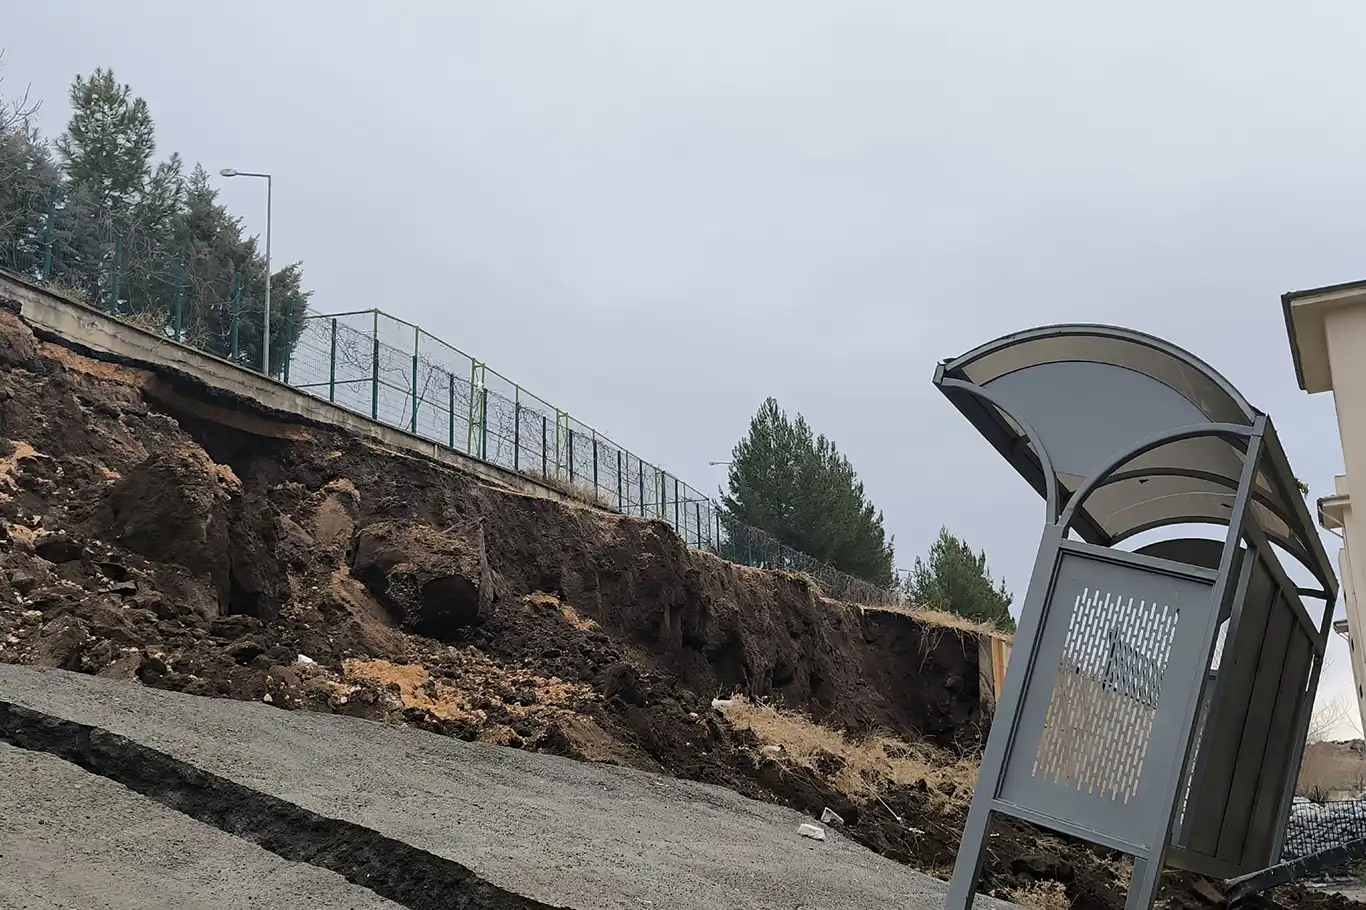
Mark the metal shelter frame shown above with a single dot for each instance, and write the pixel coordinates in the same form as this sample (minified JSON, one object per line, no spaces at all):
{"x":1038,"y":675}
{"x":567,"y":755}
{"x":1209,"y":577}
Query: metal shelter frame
{"x":1157,"y":699}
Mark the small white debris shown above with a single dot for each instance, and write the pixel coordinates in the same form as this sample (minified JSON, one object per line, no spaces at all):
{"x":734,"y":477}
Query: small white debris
{"x":831,"y":817}
{"x":771,"y":750}
{"x":722,"y":704}
{"x":304,"y":659}
{"x":815,"y":832}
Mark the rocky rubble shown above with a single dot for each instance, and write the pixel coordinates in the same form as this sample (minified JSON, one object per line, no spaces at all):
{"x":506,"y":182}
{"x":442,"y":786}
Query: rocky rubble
{"x":1318,"y":826}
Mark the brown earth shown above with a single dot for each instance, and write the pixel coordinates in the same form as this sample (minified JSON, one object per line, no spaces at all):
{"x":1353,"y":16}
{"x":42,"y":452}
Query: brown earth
{"x":155,"y":531}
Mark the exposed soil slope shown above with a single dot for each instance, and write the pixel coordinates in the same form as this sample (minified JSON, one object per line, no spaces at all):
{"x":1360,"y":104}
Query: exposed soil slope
{"x":156,"y":531}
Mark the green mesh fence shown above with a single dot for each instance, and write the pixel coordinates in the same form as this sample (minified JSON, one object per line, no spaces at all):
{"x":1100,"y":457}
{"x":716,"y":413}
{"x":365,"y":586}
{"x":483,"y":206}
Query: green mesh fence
{"x":373,"y":364}
{"x":394,"y":372}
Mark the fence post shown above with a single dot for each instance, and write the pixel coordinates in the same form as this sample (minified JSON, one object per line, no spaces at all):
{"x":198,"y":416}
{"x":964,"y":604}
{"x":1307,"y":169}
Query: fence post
{"x":677,"y":526}
{"x":114,"y":278}
{"x":289,"y":337}
{"x":374,"y":367}
{"x":332,"y":365}
{"x":571,"y":453}
{"x":450,"y":386}
{"x":517,"y":431}
{"x":417,"y":340}
{"x":641,"y":465}
{"x":180,"y":282}
{"x":559,"y":441}
{"x":545,"y":466}
{"x":235,"y":304}
{"x":595,"y":463}
{"x":697,"y":522}
{"x":50,"y":232}
{"x":621,"y":507}
{"x":478,"y":379}
{"x":484,"y":422}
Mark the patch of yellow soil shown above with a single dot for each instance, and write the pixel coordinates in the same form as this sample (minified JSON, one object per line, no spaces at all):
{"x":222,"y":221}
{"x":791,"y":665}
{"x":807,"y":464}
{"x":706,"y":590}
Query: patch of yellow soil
{"x":9,"y":465}
{"x":479,"y":679}
{"x":569,"y":613}
{"x":109,"y":372}
{"x":332,"y":524}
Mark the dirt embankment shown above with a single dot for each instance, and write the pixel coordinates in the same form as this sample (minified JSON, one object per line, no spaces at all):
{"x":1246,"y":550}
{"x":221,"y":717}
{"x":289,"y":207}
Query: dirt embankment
{"x":158,"y":532}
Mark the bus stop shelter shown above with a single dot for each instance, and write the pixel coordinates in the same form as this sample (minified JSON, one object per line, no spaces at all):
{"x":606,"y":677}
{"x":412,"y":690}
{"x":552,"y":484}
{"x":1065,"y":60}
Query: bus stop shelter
{"x":1158,"y":696}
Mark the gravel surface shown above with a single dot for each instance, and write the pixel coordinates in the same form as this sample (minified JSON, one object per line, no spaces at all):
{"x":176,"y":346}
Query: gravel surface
{"x":583,"y":836}
{"x":72,"y":839}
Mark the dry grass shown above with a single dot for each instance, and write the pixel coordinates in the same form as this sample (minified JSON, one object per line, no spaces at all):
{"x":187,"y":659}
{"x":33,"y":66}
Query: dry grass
{"x":578,"y":490}
{"x":866,"y":768}
{"x":1041,"y":896}
{"x":944,"y":619}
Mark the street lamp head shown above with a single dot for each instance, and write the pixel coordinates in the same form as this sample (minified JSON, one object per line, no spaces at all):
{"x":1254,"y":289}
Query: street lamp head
{"x":227,"y":172}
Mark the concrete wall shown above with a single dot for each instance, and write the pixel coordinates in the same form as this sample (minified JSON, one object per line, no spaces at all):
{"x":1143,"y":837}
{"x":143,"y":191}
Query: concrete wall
{"x":75,"y":324}
{"x":1327,"y":329}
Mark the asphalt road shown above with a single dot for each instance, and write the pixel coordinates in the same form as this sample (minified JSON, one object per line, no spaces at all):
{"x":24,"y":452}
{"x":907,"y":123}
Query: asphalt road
{"x":571,"y":834}
{"x":72,"y":839}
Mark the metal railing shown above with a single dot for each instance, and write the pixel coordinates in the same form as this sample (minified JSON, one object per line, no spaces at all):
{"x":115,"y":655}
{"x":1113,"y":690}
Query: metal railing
{"x":168,"y":279}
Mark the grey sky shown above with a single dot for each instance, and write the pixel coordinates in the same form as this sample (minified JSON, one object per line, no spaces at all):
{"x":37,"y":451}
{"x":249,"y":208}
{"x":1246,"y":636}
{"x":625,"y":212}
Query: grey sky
{"x":654,"y":215}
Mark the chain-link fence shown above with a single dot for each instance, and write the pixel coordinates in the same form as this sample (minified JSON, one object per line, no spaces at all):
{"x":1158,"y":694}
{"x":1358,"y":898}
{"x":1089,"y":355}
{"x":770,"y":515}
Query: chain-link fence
{"x":394,"y":372}
{"x":158,"y":265}
{"x":164,"y":271}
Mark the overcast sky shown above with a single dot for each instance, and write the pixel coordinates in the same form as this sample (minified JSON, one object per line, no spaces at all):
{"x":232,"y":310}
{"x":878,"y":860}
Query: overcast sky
{"x":656,"y":214}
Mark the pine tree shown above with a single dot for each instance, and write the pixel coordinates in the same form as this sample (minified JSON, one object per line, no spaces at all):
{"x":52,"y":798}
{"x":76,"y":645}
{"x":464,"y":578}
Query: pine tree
{"x":225,"y":289}
{"x":28,"y":177}
{"x":957,"y":580}
{"x":797,"y":486}
{"x":108,"y":145}
{"x":143,"y":239}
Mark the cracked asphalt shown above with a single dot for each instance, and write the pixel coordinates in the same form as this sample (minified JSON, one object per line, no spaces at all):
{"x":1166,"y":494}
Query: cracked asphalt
{"x":571,"y":834}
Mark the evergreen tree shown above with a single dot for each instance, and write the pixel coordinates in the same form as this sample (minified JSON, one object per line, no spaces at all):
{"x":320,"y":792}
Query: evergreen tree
{"x":226,"y":290}
{"x":798,"y":486}
{"x":139,"y":237}
{"x":108,"y":145}
{"x":958,"y":580}
{"x":28,"y":177}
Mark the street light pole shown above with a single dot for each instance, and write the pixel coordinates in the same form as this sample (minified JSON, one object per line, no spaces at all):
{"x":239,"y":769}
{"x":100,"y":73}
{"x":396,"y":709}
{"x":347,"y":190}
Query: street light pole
{"x":265,"y":316}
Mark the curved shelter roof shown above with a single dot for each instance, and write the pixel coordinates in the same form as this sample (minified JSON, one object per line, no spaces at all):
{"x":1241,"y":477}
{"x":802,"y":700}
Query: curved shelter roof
{"x":1159,"y":435}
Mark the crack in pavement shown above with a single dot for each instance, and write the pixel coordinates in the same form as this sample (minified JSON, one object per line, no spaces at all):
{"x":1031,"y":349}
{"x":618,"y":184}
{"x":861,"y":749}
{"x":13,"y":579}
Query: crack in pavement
{"x":399,"y":872}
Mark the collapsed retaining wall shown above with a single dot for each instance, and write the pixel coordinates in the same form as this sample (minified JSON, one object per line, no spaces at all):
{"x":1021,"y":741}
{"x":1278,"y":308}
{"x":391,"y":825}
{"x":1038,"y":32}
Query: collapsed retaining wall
{"x":125,"y":471}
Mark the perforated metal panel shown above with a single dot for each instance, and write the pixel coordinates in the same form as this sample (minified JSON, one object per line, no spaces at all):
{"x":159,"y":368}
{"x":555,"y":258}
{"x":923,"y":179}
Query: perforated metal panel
{"x":1099,"y":719}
